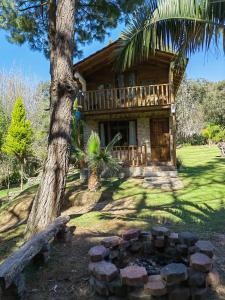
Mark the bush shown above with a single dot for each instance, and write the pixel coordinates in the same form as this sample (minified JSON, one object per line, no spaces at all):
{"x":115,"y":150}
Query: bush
{"x":194,"y":140}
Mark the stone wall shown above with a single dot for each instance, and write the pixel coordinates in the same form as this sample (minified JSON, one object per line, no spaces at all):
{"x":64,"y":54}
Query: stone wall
{"x":90,"y":125}
{"x":143,"y":133}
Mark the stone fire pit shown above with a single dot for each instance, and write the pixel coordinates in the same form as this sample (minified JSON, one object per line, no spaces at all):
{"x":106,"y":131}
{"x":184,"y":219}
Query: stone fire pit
{"x":160,"y":264}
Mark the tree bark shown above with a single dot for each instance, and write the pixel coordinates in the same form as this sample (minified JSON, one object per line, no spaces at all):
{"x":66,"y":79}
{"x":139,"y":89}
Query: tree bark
{"x":48,"y":200}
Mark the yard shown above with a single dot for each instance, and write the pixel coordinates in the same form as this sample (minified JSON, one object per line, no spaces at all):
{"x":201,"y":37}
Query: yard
{"x":199,"y":207}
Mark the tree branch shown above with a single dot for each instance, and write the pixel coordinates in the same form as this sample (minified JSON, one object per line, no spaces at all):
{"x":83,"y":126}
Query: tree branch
{"x":33,"y":6}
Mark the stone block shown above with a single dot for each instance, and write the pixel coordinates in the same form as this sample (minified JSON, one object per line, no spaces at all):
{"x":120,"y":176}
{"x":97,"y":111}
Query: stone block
{"x":201,"y":262}
{"x":99,"y":287}
{"x":131,"y":234}
{"x":111,"y":241}
{"x":155,"y":286}
{"x":174,"y":273}
{"x":173,"y":238}
{"x":134,"y":276}
{"x":98,"y":253}
{"x":160,"y":231}
{"x":188,"y":238}
{"x":104,"y":270}
{"x":196,"y":278}
{"x":205,"y":247}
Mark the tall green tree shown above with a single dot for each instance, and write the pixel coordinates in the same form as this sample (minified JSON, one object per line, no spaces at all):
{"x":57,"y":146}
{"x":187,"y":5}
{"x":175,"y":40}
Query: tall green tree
{"x":19,"y":136}
{"x":58,"y":28}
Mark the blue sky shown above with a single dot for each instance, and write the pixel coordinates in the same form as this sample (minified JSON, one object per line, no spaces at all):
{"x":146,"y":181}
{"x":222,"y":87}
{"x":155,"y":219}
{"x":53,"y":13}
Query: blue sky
{"x":210,"y":66}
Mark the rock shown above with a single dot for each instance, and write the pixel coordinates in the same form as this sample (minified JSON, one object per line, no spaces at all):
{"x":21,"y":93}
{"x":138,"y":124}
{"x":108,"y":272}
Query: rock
{"x":131,"y":234}
{"x":134,"y":275}
{"x":201,"y":262}
{"x":174,"y":273}
{"x":188,"y":238}
{"x":155,"y":286}
{"x":213,"y":279}
{"x":196,"y":278}
{"x":111,"y":241}
{"x":139,"y":294}
{"x":199,"y":294}
{"x":98,"y":253}
{"x":173,"y":238}
{"x":179,"y":293}
{"x":159,"y":242}
{"x":105,"y":271}
{"x":160,"y":231}
{"x":205,"y":247}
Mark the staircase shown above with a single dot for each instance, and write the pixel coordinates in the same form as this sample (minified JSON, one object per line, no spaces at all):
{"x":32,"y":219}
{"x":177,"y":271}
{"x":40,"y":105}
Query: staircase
{"x":164,"y":177}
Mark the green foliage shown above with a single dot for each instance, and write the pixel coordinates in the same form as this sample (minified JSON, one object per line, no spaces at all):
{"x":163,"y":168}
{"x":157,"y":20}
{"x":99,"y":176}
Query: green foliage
{"x":182,"y":26}
{"x":214,"y":133}
{"x":27,"y":21}
{"x":101,"y":159}
{"x":3,"y":125}
{"x":19,"y":136}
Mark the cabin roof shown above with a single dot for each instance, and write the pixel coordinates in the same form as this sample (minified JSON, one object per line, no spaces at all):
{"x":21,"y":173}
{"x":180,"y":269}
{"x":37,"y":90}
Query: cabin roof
{"x":107,"y":55}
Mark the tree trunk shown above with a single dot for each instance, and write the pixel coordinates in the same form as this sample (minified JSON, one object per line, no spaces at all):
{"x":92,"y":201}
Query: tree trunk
{"x":93,"y":181}
{"x":21,"y":175}
{"x":48,"y":200}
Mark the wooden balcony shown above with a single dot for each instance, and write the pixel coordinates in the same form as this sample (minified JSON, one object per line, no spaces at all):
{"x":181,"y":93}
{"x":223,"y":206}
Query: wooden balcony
{"x":131,"y":155}
{"x":127,"y":98}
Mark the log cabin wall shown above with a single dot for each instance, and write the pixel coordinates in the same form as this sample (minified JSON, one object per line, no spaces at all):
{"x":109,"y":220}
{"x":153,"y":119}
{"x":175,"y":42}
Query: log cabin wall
{"x":145,"y":74}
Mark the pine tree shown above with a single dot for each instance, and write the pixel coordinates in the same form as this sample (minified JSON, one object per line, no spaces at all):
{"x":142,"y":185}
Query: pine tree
{"x":19,"y":136}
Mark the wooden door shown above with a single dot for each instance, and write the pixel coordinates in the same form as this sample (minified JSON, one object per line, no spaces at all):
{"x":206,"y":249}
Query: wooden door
{"x":160,"y":140}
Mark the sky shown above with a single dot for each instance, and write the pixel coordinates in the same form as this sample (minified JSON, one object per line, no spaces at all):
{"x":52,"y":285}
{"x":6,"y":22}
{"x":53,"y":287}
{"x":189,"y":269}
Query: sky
{"x":210,"y":66}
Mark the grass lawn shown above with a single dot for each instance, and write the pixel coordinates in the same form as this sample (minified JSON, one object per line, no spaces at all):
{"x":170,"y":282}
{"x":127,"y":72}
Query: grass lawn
{"x":200,"y":206}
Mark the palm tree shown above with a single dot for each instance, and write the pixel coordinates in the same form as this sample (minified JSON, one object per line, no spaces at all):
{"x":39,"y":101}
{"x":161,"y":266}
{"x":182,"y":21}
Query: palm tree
{"x":181,"y":26}
{"x":100,"y":159}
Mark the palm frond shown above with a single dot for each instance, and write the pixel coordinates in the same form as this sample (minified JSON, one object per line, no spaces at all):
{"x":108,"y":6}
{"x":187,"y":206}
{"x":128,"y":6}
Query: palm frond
{"x":172,"y":25}
{"x":112,"y":143}
{"x":93,"y":144}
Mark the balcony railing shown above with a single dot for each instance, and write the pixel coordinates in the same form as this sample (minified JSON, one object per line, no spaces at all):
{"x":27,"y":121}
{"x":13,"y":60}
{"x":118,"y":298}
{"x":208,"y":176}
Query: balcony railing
{"x":131,"y":155}
{"x":126,"y":97}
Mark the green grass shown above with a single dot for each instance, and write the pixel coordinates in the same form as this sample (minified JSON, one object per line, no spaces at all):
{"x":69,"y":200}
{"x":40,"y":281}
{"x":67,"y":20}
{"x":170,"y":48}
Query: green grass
{"x":200,"y":206}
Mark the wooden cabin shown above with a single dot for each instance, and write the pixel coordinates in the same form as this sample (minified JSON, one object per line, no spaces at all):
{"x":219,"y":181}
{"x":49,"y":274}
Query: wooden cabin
{"x":139,"y":103}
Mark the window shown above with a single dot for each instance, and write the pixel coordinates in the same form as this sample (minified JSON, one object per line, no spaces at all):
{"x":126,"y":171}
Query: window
{"x":107,"y":130}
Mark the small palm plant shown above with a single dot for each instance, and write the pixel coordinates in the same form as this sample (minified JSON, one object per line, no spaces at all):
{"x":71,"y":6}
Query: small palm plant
{"x":100,"y":159}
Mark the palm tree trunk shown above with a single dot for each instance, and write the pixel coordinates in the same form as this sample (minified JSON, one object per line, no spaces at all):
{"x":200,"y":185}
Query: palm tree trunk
{"x":93,"y":181}
{"x":49,"y":198}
